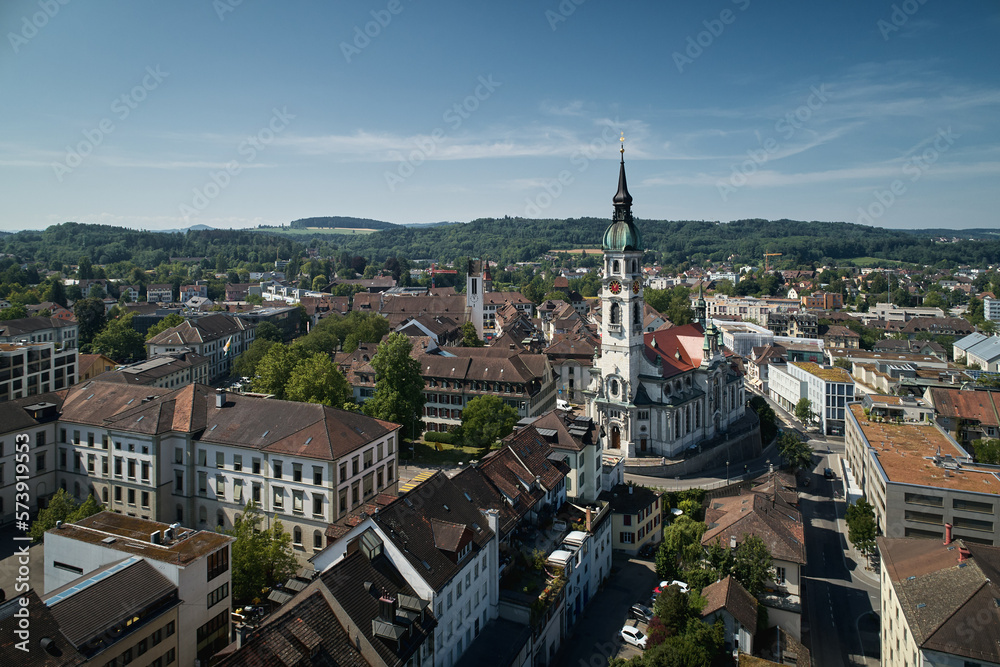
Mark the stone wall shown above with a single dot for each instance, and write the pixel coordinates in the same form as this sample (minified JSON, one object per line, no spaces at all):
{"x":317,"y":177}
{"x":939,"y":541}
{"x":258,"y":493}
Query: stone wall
{"x":743,"y":446}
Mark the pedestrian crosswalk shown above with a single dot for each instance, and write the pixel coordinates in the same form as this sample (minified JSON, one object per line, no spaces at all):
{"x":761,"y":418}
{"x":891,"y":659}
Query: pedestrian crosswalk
{"x":413,"y":483}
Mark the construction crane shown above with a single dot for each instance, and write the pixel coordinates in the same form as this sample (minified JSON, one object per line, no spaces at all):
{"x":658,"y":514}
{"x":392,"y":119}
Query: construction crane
{"x":767,"y":263}
{"x":434,"y":271}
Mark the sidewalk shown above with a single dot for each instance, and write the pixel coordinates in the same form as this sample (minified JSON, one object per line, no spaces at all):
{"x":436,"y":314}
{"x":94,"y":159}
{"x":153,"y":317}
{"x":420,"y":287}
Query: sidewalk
{"x":861,"y":562}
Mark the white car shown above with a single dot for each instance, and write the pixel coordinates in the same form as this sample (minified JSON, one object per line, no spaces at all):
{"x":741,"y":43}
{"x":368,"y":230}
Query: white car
{"x":634,"y":636}
{"x":664,"y":585}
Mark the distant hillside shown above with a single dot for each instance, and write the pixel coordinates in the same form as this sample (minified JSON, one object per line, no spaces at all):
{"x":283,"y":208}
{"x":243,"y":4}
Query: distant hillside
{"x":983,"y":234}
{"x":344,"y":222}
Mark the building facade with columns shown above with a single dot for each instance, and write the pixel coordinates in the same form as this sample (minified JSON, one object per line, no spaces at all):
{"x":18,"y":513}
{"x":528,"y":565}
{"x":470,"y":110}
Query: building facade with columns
{"x":654,"y":393}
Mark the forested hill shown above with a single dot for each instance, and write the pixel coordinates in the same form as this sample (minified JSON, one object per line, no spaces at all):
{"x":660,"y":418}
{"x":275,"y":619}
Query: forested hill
{"x":513,"y":240}
{"x":670,"y":242}
{"x":343,"y":222}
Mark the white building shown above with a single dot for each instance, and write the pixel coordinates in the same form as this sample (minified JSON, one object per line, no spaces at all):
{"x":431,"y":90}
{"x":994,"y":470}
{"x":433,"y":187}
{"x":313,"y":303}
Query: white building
{"x":220,"y":338}
{"x":40,"y":330}
{"x":829,"y":390}
{"x":27,"y":369}
{"x":991,"y":309}
{"x":27,"y":438}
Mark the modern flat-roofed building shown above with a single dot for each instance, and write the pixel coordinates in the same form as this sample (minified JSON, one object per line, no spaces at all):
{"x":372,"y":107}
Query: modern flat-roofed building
{"x":40,"y":330}
{"x":829,"y":390}
{"x":189,"y":565}
{"x":920,"y":480}
{"x":27,"y":369}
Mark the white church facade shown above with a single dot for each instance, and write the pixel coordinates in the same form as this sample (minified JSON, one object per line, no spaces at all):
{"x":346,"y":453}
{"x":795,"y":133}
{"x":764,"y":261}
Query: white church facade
{"x":654,"y":393}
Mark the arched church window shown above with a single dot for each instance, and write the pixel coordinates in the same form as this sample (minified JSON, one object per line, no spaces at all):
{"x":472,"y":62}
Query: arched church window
{"x":677,"y":424}
{"x":614,"y":387}
{"x":616,"y":315}
{"x":697,"y":416}
{"x":636,"y":315}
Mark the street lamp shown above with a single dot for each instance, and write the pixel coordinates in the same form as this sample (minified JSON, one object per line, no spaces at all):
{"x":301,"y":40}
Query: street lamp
{"x":727,"y":471}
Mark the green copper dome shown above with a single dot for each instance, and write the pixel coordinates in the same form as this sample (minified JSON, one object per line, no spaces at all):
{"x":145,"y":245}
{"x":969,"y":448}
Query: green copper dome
{"x":622,"y":234}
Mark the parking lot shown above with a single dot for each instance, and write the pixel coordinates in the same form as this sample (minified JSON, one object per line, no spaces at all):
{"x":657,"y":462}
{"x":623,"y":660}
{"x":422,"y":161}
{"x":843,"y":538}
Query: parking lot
{"x":596,"y":635}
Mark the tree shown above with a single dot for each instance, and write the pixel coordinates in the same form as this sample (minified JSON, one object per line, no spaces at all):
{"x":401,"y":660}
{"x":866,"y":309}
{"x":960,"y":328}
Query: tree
{"x":259,"y":558}
{"x":751,"y":564}
{"x":319,"y":283}
{"x":803,"y":410}
{"x":275,"y":369}
{"x":268,"y":331}
{"x":120,"y":341}
{"x":90,"y":318}
{"x":768,"y":420}
{"x":245,"y":365}
{"x":796,"y":451}
{"x":681,"y":547}
{"x":861,"y":526}
{"x":469,"y":336}
{"x":316,"y":380}
{"x":485,"y":420}
{"x":399,"y":385}
{"x":62,"y":507}
{"x":986,"y":450}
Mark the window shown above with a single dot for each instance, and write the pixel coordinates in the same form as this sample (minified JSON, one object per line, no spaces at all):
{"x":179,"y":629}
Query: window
{"x":628,"y":519}
{"x":317,"y":504}
{"x":256,"y":466}
{"x":972,"y":506}
{"x":343,"y":472}
{"x":145,"y":499}
{"x":40,"y":463}
{"x":142,"y":646}
{"x":62,"y":459}
{"x":355,"y":491}
{"x":131,"y":468}
{"x":218,"y":595}
{"x":202,"y":457}
{"x":922,"y":517}
{"x":368,"y":459}
{"x":131,"y":496}
{"x":779,"y":575}
{"x":317,"y":540}
{"x":278,"y":498}
{"x":220,"y":487}
{"x":356,"y":465}
{"x":145,"y":471}
{"x":178,"y":481}
{"x":91,"y":462}
{"x":255,"y":492}
{"x":218,"y":563}
{"x":276,"y":468}
{"x":178,"y":455}
{"x":237,"y":462}
{"x":297,"y":502}
{"x":297,"y":536}
{"x":392,"y":445}
{"x":369,"y":484}
{"x":317,"y":475}
{"x":379,"y":481}
{"x":118,"y":494}
{"x":296,"y":472}
{"x":923,"y":499}
{"x":156,"y":637}
{"x":343,"y":500}
{"x":973,"y":524}
{"x":203,"y":483}
{"x":388,"y":471}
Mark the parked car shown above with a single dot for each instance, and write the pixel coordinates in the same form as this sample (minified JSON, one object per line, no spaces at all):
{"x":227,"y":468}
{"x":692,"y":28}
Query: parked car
{"x":647,"y":550}
{"x":829,"y":474}
{"x":633,"y":636}
{"x":666,"y":584}
{"x":641,"y":612}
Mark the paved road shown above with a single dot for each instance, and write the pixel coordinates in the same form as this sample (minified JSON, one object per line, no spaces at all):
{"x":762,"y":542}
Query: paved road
{"x":595,"y":638}
{"x":838,"y":591}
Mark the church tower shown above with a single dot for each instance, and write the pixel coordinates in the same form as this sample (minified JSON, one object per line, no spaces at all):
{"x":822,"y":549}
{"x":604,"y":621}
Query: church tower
{"x":622,"y":312}
{"x":476,"y":283}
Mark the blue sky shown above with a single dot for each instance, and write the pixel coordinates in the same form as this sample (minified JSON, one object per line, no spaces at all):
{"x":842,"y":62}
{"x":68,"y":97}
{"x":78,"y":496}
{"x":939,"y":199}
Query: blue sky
{"x":236,"y":113}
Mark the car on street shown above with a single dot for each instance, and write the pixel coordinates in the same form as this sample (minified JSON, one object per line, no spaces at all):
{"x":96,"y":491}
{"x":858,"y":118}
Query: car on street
{"x":666,"y":584}
{"x":829,"y":474}
{"x":647,"y":550}
{"x":633,"y":636}
{"x":641,"y":612}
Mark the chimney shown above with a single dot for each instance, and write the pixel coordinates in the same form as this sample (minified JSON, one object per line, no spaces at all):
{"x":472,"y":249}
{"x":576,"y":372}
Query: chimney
{"x":963,"y":553}
{"x":220,"y":398}
{"x":947,"y":533}
{"x":387,"y":608}
{"x":589,"y":516}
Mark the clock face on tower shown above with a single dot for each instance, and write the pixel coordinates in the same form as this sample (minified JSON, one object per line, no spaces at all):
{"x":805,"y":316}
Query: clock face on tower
{"x":615,"y":287}
{"x":635,"y":286}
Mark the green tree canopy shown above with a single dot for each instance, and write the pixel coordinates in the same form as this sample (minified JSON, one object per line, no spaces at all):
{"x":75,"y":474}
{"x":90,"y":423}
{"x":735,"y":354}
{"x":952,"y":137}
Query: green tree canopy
{"x":796,"y":451}
{"x":681,"y":547}
{"x":120,"y":341}
{"x":861,"y":526}
{"x":275,"y":369}
{"x":469,"y":336}
{"x":90,"y":318}
{"x":260,"y":558}
{"x":62,"y":507}
{"x":803,"y":410}
{"x":268,"y":331}
{"x":986,"y":450}
{"x":485,"y":420}
{"x":399,"y":385}
{"x":315,"y":379}
{"x":751,"y":564}
{"x":245,"y":365}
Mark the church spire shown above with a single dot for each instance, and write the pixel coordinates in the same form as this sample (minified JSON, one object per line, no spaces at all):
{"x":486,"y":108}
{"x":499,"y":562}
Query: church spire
{"x":622,"y":234}
{"x":622,"y":197}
